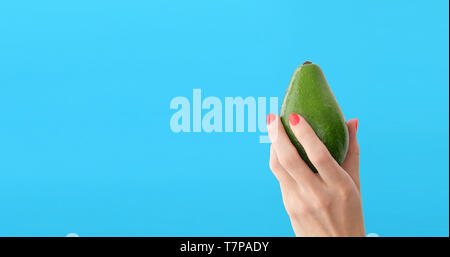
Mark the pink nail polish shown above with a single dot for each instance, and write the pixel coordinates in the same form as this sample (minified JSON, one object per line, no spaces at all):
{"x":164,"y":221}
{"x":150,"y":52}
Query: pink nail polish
{"x":356,"y":125}
{"x":271,"y":117}
{"x":294,"y":118}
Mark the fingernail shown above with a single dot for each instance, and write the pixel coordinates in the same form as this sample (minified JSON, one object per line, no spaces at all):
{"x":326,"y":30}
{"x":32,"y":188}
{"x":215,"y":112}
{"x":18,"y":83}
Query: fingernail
{"x":271,"y":117}
{"x":356,"y":125}
{"x":294,"y":118}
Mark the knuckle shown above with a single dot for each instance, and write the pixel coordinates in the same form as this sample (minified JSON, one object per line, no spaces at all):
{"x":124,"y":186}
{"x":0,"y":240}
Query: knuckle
{"x":274,"y":164}
{"x":303,"y":210}
{"x":319,"y":200}
{"x":320,"y":157}
{"x":295,"y":207}
{"x":288,"y":160}
{"x":322,"y":204}
{"x":290,"y":206}
{"x":344,"y":191}
{"x":290,"y":211}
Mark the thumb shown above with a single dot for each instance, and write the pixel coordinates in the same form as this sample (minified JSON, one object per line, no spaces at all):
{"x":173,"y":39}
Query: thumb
{"x":351,"y":162}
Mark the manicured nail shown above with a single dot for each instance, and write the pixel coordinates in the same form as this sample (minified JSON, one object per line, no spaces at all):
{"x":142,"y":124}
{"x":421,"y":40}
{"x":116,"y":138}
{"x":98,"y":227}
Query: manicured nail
{"x":294,"y":118}
{"x":271,"y":117}
{"x":356,"y":125}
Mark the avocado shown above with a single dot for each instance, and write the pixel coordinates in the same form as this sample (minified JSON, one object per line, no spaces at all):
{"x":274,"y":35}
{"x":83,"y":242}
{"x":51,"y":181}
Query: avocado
{"x":310,"y":96}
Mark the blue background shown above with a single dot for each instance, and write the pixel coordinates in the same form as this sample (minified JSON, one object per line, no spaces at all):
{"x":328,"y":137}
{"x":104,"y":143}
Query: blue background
{"x":85,"y":87}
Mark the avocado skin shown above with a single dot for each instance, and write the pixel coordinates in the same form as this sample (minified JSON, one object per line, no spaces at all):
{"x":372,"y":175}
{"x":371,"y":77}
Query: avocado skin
{"x":310,"y":96}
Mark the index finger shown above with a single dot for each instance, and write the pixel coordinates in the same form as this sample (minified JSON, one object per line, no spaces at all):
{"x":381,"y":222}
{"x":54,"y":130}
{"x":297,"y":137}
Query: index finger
{"x":287,"y":154}
{"x":316,"y":151}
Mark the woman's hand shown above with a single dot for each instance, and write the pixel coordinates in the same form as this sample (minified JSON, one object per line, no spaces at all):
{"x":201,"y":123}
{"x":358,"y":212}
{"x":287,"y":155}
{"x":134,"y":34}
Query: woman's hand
{"x":323,"y":204}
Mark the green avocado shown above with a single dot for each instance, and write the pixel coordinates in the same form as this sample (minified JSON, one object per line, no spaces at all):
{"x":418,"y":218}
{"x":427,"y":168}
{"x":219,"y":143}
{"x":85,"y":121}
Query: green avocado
{"x":310,"y":96}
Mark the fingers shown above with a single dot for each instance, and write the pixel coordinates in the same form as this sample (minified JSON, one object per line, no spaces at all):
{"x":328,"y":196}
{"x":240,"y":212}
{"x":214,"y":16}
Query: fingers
{"x":317,"y":152}
{"x":287,"y":154}
{"x":277,"y":169}
{"x":351,"y":162}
